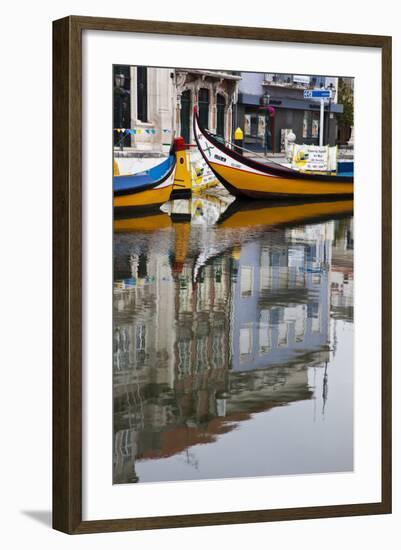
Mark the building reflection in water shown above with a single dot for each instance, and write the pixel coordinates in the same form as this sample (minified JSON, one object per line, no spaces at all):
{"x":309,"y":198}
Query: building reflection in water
{"x":214,"y":325}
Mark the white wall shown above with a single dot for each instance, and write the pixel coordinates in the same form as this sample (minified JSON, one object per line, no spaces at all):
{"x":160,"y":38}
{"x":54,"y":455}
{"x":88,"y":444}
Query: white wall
{"x":26,"y":274}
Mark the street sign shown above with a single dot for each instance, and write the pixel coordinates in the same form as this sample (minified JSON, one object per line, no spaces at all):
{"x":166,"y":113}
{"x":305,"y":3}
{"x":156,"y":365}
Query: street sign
{"x":321,"y":95}
{"x":317,"y":94}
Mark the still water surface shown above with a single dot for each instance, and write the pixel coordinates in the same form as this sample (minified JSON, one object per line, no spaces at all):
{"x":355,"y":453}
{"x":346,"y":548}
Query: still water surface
{"x":233,"y":342}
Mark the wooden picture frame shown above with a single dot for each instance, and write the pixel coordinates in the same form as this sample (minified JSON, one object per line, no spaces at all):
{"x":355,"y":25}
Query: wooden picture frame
{"x":67,"y":273}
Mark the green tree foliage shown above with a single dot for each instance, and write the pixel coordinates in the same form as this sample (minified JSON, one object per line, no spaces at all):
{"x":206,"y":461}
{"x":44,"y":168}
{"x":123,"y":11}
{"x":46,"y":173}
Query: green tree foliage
{"x":346,"y":98}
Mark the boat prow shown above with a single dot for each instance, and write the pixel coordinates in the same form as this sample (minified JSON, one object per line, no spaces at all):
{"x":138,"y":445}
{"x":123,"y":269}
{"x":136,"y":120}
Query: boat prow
{"x":245,"y":177}
{"x":145,"y":190}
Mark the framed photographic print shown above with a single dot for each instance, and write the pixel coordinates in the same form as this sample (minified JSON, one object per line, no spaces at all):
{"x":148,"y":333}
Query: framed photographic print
{"x":222,"y":275}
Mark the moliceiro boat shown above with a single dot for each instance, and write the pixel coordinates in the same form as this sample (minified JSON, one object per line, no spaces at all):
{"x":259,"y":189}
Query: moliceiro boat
{"x":148,"y":189}
{"x":245,"y":177}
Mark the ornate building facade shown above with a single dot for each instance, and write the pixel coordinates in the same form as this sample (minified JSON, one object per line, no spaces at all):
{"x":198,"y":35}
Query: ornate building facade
{"x":214,"y":93}
{"x":153,"y":104}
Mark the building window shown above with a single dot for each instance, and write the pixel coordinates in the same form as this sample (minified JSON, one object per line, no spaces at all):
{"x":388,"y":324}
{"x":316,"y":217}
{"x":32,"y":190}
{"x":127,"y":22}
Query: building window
{"x":245,"y":342}
{"x":311,"y":125}
{"x":142,"y":93}
{"x":246,"y":281}
{"x":316,"y":278}
{"x":264,"y":339}
{"x":283,"y":334}
{"x":184,"y":357}
{"x":140,"y":338}
{"x":142,"y":266}
{"x":221,"y":106}
{"x":203,"y":105}
{"x":265,"y":278}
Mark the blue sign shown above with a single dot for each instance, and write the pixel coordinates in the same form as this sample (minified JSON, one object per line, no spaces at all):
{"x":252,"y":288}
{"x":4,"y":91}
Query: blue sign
{"x":317,"y":94}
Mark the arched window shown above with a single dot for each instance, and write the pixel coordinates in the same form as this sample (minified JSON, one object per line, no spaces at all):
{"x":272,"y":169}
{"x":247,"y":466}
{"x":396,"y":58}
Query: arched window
{"x":185,"y":114}
{"x":221,"y":106}
{"x":203,"y":106}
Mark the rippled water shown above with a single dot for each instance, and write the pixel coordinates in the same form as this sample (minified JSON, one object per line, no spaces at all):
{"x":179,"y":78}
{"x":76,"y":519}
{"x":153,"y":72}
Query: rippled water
{"x":233,"y":341}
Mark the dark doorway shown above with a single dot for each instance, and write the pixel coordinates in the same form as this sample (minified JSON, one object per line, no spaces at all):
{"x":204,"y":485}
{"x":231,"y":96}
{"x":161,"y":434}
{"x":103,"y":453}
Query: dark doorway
{"x":185,"y":115}
{"x":221,"y":107}
{"x":142,"y":93}
{"x":203,"y":104}
{"x":252,"y":139}
{"x":121,"y":104}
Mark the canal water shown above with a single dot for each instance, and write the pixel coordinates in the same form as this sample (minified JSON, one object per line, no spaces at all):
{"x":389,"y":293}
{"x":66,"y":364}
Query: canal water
{"x":233,"y":341}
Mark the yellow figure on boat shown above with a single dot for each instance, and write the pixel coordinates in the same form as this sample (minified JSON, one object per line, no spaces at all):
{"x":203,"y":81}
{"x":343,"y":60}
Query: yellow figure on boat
{"x":182,"y":188}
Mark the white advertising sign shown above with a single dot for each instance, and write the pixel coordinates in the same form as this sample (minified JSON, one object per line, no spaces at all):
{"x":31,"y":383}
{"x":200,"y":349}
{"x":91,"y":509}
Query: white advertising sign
{"x":313,"y":157}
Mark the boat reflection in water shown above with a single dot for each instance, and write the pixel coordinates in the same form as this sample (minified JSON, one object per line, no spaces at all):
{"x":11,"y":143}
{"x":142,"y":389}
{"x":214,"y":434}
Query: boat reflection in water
{"x":230,"y":325}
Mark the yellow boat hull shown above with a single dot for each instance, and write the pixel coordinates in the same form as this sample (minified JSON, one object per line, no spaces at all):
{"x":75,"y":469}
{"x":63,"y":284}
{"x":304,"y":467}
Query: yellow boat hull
{"x":257,"y":185}
{"x":150,"y":197}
